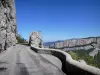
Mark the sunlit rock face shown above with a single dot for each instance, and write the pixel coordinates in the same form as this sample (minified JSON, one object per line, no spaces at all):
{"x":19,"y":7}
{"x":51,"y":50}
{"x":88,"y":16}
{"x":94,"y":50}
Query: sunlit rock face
{"x":77,"y":44}
{"x":7,"y":24}
{"x":35,"y":39}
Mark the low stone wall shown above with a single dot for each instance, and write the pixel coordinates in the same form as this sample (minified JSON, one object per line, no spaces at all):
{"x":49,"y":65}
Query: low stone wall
{"x":69,"y":66}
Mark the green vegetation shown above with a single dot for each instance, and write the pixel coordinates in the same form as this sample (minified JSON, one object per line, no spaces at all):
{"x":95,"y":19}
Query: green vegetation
{"x":20,"y":39}
{"x":84,"y":55}
{"x":97,"y":60}
{"x":40,"y":44}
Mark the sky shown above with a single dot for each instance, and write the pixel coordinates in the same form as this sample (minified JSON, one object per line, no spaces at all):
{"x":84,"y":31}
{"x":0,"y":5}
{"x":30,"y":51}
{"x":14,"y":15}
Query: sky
{"x":58,"y":19}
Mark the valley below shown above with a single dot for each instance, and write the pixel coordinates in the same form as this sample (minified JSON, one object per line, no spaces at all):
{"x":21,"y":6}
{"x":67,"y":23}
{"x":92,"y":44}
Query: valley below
{"x":85,"y":50}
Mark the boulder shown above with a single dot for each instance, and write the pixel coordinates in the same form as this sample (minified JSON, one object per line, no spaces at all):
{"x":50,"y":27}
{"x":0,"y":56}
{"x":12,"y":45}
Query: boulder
{"x":35,"y":39}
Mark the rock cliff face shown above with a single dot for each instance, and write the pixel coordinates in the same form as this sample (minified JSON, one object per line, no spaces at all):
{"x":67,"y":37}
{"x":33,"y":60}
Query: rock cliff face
{"x":35,"y":39}
{"x":7,"y":24}
{"x":76,"y":44}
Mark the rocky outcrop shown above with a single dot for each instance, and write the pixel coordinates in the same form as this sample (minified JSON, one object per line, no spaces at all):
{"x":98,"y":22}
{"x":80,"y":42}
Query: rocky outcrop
{"x":77,"y":44}
{"x":35,"y":39}
{"x":94,"y":52}
{"x":7,"y":24}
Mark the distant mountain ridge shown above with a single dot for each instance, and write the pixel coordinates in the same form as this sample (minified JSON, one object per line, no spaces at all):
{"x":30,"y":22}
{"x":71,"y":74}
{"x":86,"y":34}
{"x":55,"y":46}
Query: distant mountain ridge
{"x":47,"y":44}
{"x":75,"y":44}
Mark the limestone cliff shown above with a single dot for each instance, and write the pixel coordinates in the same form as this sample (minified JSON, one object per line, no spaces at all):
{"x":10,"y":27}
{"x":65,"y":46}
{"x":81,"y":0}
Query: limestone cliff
{"x":7,"y":24}
{"x":35,"y":39}
{"x":76,"y":44}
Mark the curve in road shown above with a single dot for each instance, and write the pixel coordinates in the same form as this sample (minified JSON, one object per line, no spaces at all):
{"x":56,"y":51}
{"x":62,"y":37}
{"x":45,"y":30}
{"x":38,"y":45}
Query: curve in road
{"x":20,"y":60}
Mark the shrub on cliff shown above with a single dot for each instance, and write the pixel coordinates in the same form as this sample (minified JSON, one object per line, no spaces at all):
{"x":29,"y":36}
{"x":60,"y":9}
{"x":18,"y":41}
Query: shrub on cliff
{"x":40,"y":44}
{"x":20,"y":39}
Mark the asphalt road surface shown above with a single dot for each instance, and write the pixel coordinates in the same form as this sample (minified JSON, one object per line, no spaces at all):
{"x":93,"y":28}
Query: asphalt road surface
{"x":21,"y":60}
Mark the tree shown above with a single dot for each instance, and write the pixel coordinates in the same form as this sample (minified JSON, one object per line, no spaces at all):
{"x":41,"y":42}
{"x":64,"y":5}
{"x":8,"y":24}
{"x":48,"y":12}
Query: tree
{"x":20,"y":39}
{"x":40,"y":44}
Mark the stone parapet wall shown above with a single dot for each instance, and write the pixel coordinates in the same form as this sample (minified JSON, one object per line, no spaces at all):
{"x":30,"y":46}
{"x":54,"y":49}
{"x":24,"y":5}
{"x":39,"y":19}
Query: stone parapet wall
{"x":69,"y":66}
